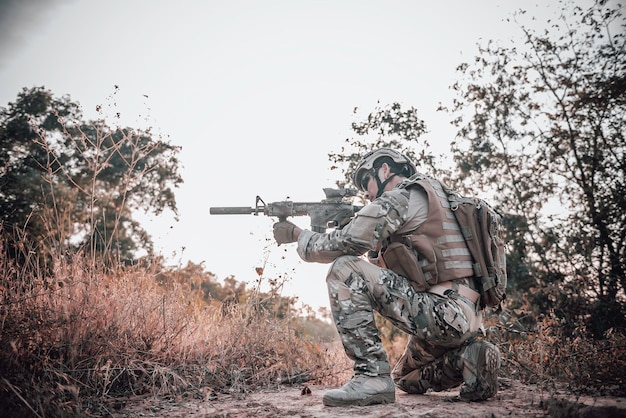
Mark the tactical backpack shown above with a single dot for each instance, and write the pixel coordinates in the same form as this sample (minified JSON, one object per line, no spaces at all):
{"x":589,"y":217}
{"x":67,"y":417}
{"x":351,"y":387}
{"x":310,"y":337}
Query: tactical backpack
{"x":482,"y":229}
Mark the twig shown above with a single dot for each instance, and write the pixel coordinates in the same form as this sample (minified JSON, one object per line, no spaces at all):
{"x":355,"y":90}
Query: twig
{"x":595,"y":349}
{"x":20,"y":396}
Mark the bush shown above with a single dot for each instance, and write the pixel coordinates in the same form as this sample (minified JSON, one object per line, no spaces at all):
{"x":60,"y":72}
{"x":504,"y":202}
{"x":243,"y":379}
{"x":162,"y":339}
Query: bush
{"x":77,"y":342}
{"x":549,"y":354}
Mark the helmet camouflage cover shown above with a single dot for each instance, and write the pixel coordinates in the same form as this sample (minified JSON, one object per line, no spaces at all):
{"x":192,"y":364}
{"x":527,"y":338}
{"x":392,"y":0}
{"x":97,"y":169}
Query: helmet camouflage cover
{"x":367,"y":163}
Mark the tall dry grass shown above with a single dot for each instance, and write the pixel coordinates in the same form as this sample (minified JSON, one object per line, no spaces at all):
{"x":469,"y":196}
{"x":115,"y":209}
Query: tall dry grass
{"x":77,"y":343}
{"x":84,"y":340}
{"x":547,"y":355}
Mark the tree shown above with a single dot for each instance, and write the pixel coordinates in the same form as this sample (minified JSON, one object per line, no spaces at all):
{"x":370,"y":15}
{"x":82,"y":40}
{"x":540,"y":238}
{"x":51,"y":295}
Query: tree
{"x":67,"y":184}
{"x":543,"y":125}
{"x":388,"y":126}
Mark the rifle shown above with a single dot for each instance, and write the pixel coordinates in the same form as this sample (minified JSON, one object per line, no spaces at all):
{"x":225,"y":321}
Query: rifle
{"x":333,"y":212}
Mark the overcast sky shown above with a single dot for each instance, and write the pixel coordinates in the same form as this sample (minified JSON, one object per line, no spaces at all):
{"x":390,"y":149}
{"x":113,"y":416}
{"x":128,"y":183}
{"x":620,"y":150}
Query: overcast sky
{"x":256,"y":92}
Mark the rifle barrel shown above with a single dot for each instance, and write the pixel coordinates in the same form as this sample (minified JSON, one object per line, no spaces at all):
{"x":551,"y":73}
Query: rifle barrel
{"x":233,"y":210}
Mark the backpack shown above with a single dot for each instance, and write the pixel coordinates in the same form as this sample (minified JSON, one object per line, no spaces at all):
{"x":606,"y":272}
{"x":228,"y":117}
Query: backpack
{"x":482,"y":229}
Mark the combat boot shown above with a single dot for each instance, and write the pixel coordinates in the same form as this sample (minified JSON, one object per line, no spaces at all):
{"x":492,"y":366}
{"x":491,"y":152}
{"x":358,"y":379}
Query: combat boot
{"x":362,"y":390}
{"x":439,"y":375}
{"x":480,"y":362}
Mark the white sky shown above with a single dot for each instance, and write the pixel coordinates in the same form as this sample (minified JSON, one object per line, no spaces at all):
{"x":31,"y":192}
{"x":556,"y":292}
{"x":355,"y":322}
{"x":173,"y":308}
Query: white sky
{"x":257,"y":93}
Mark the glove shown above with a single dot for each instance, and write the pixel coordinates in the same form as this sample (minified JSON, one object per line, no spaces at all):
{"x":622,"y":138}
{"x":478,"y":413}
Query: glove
{"x":284,"y":232}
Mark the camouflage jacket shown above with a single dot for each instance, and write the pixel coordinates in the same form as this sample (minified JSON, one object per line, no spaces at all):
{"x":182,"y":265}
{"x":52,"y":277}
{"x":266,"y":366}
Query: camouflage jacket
{"x":395,"y":211}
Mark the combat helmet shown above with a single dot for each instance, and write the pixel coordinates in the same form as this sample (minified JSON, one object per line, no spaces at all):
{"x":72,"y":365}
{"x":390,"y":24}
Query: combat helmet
{"x":368,"y":165}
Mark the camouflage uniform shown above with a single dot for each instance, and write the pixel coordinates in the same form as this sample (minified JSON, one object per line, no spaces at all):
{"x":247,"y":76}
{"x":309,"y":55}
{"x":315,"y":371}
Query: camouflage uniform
{"x":439,"y":327}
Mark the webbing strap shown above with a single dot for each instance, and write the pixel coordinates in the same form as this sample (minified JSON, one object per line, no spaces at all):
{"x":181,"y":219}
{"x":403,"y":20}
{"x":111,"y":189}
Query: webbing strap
{"x":443,"y":288}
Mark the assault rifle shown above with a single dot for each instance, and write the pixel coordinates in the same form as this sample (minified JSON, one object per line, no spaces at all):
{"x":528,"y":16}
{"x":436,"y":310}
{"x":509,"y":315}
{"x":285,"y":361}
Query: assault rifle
{"x":333,"y":212}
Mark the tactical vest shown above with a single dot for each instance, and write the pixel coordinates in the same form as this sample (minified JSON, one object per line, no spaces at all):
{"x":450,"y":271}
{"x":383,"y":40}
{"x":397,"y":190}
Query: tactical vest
{"x":442,"y":254}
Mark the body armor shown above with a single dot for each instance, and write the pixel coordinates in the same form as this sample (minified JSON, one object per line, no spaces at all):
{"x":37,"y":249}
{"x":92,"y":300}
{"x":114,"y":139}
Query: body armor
{"x":437,"y":245}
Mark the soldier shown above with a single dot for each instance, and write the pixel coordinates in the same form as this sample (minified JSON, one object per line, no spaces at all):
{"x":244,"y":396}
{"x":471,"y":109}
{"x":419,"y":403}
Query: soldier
{"x":433,"y":300}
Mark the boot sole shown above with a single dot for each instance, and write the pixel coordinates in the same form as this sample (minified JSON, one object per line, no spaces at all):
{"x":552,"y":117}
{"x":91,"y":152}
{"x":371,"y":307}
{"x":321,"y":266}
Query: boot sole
{"x":488,"y":378}
{"x":382,"y":398}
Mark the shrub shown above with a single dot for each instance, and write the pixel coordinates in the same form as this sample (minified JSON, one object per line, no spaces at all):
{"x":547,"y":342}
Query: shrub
{"x":76,"y":342}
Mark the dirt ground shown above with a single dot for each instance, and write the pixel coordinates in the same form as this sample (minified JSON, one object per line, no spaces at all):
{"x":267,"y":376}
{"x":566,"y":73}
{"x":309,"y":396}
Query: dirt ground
{"x":514,"y":399}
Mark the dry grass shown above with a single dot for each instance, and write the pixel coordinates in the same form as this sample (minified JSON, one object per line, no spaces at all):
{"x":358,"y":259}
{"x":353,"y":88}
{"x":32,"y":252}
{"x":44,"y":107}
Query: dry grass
{"x":77,"y":343}
{"x":72,"y":344}
{"x":546,"y":355}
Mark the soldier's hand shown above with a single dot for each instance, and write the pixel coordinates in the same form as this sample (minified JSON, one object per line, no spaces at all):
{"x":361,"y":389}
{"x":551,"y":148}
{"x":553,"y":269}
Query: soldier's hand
{"x":286,"y":232}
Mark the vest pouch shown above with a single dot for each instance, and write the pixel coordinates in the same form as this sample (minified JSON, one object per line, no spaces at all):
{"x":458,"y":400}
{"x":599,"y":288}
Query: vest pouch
{"x":402,"y":260}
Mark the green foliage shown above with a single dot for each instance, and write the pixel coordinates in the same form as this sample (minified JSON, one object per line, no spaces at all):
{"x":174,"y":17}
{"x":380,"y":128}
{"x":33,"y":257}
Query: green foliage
{"x":543,"y":125}
{"x":71,"y":184}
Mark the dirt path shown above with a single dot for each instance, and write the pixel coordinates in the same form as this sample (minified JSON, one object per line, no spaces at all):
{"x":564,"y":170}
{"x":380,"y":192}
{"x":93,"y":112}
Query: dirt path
{"x":513,"y":400}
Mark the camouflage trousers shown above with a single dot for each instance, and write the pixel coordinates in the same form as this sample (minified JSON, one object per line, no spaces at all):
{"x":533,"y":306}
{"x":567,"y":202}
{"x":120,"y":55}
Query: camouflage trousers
{"x":438,"y":326}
